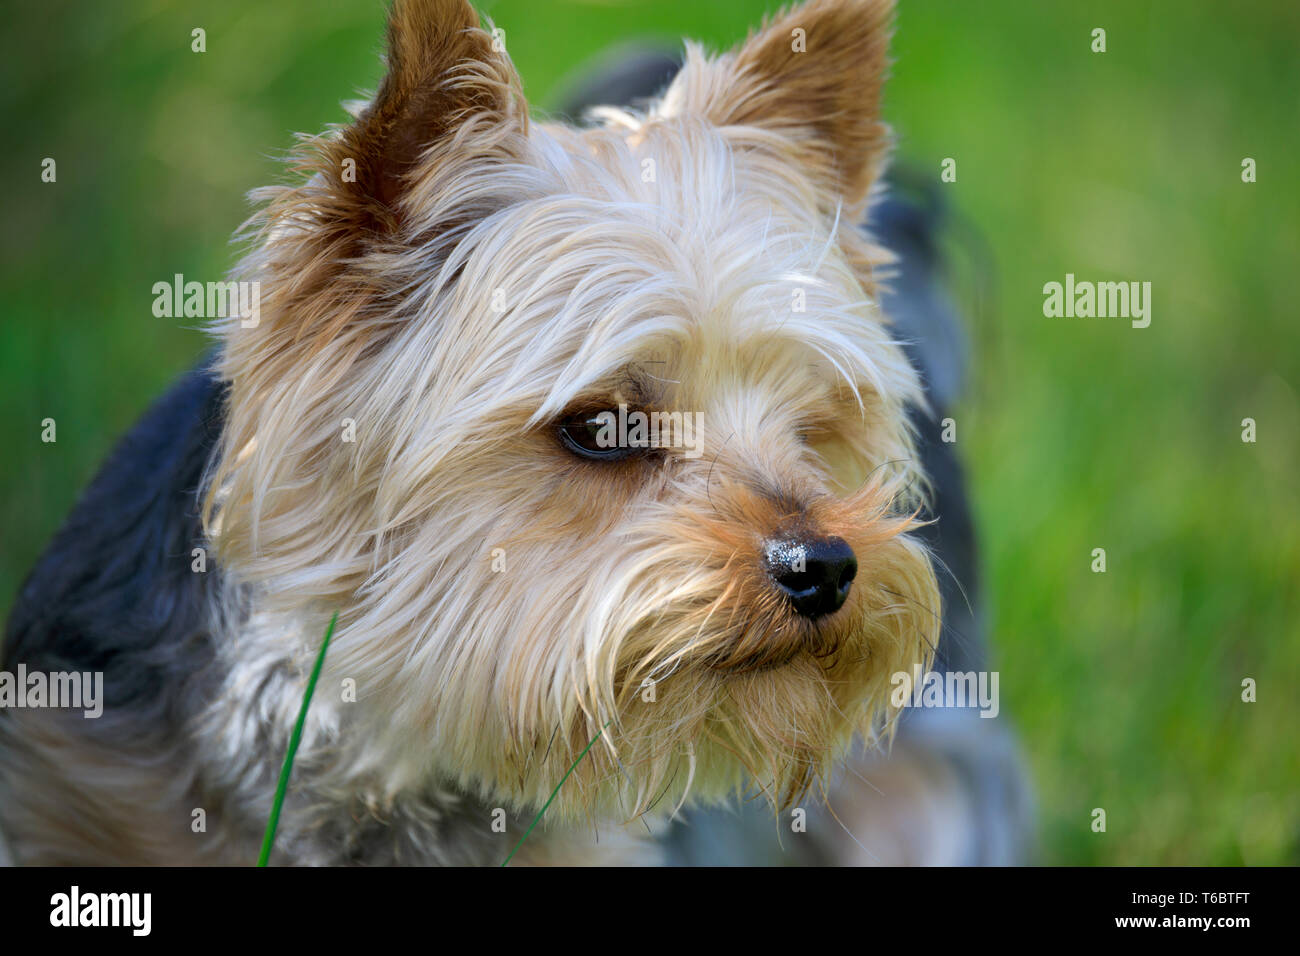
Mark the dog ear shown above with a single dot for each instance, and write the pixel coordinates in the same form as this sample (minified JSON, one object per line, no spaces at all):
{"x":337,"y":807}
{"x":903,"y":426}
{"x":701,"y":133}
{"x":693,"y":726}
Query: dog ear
{"x":451,"y":100}
{"x":814,"y":74}
{"x":449,"y":86}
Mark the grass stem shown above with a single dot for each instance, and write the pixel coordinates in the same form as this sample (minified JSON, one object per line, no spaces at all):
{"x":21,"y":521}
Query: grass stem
{"x":268,"y":838}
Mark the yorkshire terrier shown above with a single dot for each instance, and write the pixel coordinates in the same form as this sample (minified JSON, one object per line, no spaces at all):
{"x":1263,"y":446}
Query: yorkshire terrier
{"x":595,"y":438}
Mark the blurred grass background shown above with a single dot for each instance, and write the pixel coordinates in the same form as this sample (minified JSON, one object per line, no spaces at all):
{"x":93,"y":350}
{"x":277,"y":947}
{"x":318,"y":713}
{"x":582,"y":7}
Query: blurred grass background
{"x":1078,"y":433}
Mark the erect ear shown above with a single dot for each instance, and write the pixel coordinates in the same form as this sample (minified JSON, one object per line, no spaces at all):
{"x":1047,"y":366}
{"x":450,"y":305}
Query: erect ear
{"x":813,"y":74}
{"x":451,"y":100}
{"x":448,"y":82}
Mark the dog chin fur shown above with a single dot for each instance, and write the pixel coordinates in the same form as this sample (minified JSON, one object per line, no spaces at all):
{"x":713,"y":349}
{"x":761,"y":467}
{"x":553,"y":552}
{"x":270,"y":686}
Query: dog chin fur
{"x":502,"y":602}
{"x":676,"y":291}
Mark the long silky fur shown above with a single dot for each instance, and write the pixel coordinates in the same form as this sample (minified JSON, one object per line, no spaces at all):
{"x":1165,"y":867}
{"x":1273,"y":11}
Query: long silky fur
{"x":480,"y":275}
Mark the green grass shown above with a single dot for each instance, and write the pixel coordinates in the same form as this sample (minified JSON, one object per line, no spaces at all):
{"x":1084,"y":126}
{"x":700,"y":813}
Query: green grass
{"x":1078,"y":433}
{"x":554,"y":793}
{"x":286,"y":769}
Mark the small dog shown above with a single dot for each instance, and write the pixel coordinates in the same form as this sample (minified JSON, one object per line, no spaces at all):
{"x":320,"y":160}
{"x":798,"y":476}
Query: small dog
{"x":595,"y":438}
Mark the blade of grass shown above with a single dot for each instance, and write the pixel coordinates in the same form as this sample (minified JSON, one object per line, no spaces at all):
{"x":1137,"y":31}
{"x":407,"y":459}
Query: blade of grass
{"x":268,"y":838}
{"x":554,"y":793}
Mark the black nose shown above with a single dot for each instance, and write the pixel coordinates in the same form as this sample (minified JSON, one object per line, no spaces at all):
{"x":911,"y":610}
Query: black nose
{"x":815,"y":574}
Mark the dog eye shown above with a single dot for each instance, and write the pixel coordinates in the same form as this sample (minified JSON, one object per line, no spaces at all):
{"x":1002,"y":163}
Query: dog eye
{"x":595,"y":436}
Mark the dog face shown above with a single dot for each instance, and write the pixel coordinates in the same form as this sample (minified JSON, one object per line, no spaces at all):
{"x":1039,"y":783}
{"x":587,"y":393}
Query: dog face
{"x":456,"y":305}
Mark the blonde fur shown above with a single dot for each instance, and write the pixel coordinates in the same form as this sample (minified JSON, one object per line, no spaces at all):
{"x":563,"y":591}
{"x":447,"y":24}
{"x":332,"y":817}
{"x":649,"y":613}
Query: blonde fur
{"x":675,"y":289}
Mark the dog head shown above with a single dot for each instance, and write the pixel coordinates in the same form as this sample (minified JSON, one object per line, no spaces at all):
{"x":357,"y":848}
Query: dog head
{"x":586,"y":431}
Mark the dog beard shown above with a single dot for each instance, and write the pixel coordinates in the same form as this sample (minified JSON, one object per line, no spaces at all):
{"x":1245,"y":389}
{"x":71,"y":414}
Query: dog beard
{"x":484,"y":275}
{"x":655,"y":645}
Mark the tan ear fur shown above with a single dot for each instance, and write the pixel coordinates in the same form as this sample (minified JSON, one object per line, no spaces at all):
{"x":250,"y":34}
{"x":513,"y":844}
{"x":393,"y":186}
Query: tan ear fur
{"x":814,"y":74}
